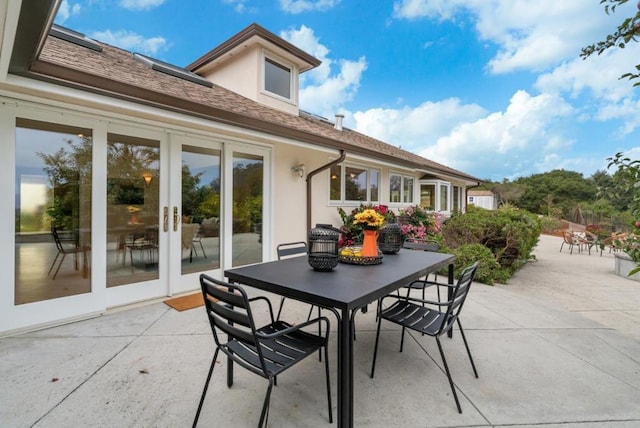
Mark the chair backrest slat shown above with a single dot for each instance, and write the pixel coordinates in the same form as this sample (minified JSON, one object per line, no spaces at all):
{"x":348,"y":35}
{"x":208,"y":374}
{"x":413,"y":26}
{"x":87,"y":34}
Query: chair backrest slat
{"x":228,"y":310}
{"x":291,"y":249}
{"x":421,"y":245}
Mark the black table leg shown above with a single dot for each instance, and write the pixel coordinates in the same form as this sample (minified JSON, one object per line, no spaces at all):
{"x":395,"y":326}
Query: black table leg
{"x":345,"y":373}
{"x":450,"y":291}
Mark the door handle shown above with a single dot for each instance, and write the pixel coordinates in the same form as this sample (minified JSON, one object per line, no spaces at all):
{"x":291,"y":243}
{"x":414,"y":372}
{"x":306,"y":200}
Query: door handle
{"x":176,"y":219}
{"x":165,"y":219}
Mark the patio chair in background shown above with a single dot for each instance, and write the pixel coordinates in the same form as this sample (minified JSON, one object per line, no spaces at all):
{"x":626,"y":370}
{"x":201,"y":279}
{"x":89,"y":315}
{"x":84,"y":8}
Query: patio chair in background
{"x":67,"y":242}
{"x":197,"y":239}
{"x":286,"y":251}
{"x":569,"y":238}
{"x":587,"y":240}
{"x":266,"y":351}
{"x":430,"y":317}
{"x":422,"y":245}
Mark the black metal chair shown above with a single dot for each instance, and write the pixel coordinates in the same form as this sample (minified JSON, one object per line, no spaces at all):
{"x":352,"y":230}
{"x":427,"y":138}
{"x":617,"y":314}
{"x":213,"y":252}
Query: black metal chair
{"x":67,"y":242}
{"x":430,"y":318}
{"x":288,"y":250}
{"x":145,"y":243}
{"x":266,"y":351}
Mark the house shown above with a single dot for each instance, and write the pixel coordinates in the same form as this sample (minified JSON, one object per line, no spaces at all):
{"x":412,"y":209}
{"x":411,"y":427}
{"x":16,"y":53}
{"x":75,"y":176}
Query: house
{"x":150,"y":174}
{"x":482,"y":199}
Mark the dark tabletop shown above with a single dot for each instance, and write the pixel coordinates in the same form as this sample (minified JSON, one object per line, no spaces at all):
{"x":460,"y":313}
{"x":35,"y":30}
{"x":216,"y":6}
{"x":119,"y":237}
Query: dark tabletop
{"x":347,"y":286}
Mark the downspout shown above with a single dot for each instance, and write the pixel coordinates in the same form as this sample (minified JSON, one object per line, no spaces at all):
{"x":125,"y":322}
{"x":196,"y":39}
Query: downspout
{"x":343,"y":155}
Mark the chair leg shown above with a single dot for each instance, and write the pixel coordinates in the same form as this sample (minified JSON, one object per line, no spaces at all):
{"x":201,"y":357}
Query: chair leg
{"x":402,"y":339}
{"x":375,"y":347}
{"x":464,"y":339}
{"x":280,"y":308}
{"x":54,"y":263}
{"x":319,"y":328}
{"x":446,"y":369}
{"x":202,"y":248}
{"x":59,"y":264}
{"x":206,"y":386}
{"x":264,"y":416}
{"x":326,"y":364}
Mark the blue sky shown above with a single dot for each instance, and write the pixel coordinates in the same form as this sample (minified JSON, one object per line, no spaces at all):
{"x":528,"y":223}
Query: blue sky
{"x":494,"y":88}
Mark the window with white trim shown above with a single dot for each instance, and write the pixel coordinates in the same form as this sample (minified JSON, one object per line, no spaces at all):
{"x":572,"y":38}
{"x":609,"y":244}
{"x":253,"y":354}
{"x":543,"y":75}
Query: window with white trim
{"x":351,"y":183}
{"x":277,"y":78}
{"x":401,"y":189}
{"x":435,"y":195}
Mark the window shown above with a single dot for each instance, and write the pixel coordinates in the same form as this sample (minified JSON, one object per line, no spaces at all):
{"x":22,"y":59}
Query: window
{"x":53,"y":172}
{"x":444,"y":197}
{"x":353,"y":183}
{"x":428,"y":196}
{"x":277,"y":78}
{"x":457,"y":199}
{"x":435,"y":195}
{"x":401,"y":189}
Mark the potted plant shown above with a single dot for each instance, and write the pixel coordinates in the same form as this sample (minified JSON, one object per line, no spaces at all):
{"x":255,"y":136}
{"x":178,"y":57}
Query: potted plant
{"x":628,"y":260}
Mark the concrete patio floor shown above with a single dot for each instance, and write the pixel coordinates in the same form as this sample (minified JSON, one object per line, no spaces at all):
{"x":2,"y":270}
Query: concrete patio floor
{"x":559,"y":346}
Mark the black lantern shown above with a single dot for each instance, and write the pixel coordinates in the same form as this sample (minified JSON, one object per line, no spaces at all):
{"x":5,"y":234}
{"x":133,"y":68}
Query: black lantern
{"x":323,"y":247}
{"x":390,"y":238}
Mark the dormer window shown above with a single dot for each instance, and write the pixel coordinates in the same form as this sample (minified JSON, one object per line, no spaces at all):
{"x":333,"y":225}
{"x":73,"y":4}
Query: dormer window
{"x":277,"y":78}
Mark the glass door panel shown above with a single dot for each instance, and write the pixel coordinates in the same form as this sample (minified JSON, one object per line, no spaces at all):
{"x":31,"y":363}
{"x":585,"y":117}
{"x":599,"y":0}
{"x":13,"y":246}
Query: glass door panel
{"x":53,"y":211}
{"x":200,"y":234}
{"x":133,"y":178}
{"x":247,"y":212}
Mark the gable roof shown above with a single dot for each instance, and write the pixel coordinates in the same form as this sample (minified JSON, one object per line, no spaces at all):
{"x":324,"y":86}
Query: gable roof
{"x":255,"y":34}
{"x":116,"y":73}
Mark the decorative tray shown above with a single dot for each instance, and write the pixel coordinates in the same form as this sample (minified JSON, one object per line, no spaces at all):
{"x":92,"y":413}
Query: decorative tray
{"x":351,"y":255}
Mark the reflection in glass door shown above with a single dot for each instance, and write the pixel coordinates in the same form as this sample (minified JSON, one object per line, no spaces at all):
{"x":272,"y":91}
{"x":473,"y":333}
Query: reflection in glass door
{"x":248,"y":185}
{"x":53,"y":211}
{"x":200,"y":234}
{"x":133,"y":178}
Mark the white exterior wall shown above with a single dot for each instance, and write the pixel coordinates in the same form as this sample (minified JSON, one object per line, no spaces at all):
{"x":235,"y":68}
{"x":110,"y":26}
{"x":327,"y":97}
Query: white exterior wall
{"x":245,"y":74}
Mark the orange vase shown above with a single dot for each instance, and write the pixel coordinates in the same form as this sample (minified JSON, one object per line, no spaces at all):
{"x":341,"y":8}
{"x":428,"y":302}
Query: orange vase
{"x":370,"y":243}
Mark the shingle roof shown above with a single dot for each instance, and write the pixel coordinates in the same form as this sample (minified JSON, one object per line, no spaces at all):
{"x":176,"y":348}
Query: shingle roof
{"x":117,"y":73}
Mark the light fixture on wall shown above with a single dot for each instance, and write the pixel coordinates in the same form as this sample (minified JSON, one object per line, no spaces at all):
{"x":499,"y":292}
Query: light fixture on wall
{"x":298,"y":169}
{"x":147,"y":179}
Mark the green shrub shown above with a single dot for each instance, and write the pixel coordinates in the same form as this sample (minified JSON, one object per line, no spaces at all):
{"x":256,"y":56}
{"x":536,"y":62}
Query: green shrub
{"x":509,"y":233}
{"x":550,"y":224}
{"x":489,"y":271}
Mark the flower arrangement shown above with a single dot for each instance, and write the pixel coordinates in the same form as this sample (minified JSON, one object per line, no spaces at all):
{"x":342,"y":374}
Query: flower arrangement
{"x":368,"y":216}
{"x":369,"y":219}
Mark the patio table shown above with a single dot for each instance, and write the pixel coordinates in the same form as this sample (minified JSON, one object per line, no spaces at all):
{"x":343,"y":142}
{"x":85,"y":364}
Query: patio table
{"x":344,"y":291}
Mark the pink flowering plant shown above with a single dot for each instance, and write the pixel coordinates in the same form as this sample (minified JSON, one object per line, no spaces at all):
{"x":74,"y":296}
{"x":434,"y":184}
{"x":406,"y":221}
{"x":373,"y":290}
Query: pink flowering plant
{"x":417,"y":223}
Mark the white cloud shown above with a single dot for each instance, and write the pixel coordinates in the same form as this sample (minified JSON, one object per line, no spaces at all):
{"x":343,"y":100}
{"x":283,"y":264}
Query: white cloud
{"x":132,"y":41}
{"x":527,"y":35}
{"x":140,"y":4}
{"x":240,"y":6}
{"x":523,"y":139}
{"x":66,"y":10}
{"x":413,"y":128}
{"x":324,"y":89}
{"x":300,"y":6}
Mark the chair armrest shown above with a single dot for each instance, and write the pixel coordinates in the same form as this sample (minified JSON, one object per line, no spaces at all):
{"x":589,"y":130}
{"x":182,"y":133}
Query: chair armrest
{"x":254,"y":299}
{"x":297,"y":327}
{"x":420,"y":301}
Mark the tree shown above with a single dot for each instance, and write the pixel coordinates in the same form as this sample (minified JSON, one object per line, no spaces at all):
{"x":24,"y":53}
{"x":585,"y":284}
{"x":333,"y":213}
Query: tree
{"x":626,"y":32}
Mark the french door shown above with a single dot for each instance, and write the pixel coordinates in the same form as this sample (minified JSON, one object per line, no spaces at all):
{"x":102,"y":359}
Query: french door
{"x":109,"y":214}
{"x":217,"y":208}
